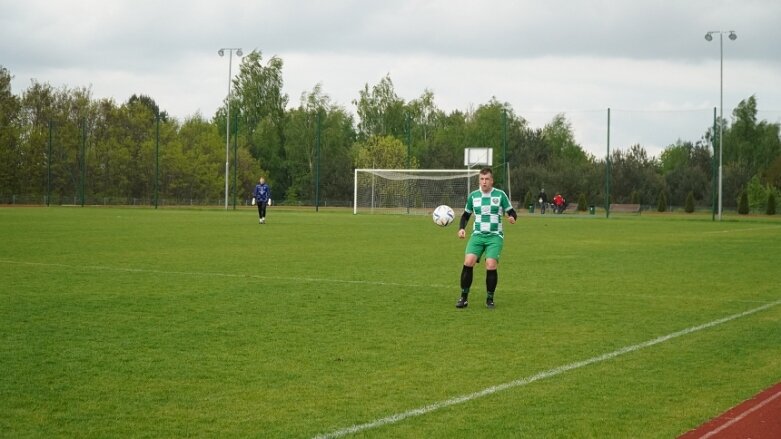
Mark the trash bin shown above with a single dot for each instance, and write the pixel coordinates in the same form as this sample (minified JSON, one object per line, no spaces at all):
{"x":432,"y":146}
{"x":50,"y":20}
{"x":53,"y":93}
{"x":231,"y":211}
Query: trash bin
{"x":592,"y":210}
{"x":531,"y":208}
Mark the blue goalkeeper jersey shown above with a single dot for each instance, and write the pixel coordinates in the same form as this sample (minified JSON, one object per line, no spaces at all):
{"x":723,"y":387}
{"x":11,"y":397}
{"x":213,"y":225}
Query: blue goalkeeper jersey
{"x":262,"y":193}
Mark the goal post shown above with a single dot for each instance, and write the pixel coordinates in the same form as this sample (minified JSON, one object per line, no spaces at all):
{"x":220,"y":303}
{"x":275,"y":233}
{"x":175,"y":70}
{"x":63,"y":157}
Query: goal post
{"x":411,"y":191}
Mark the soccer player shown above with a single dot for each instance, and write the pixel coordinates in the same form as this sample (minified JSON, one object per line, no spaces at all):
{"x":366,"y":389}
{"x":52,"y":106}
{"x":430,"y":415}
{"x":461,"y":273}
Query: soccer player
{"x":489,"y":206}
{"x":262,"y":194}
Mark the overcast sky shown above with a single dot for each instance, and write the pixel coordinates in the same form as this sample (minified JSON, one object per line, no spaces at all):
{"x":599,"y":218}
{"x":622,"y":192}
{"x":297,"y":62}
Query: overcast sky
{"x":646,"y":60}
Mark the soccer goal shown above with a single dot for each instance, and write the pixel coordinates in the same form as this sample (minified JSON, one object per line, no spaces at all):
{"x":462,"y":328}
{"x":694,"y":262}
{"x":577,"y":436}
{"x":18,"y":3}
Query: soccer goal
{"x":411,"y":191}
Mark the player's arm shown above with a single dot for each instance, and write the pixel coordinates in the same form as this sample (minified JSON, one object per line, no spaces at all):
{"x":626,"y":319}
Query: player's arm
{"x":509,"y":211}
{"x":513,"y":216}
{"x":462,"y":224}
{"x":464,"y":219}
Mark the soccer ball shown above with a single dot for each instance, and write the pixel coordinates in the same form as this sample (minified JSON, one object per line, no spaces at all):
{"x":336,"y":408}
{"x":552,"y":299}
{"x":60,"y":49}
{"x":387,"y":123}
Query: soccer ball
{"x":443,"y":215}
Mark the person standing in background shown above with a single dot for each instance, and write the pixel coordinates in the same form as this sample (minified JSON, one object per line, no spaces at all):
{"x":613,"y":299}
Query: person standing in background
{"x":542,"y":198}
{"x":262,"y":196}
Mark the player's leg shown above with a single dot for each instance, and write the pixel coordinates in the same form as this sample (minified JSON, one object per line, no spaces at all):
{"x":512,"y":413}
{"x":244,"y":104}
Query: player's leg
{"x":466,"y":279}
{"x":493,"y":250}
{"x":260,"y":212}
{"x":473,"y":251}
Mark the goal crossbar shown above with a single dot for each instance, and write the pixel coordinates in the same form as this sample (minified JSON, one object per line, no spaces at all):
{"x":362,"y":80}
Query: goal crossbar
{"x":411,"y":191}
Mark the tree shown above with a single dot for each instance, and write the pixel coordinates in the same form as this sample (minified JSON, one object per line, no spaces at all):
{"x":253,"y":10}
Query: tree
{"x":756,"y":155}
{"x":444,"y":148}
{"x":686,"y":168}
{"x":735,"y":177}
{"x":37,"y":113}
{"x":425,"y":120}
{"x":424,"y":115}
{"x":772,"y":174}
{"x":150,"y":104}
{"x":757,"y":194}
{"x":771,"y":203}
{"x":258,"y":91}
{"x":527,"y":200}
{"x":484,"y":129}
{"x":197,"y":164}
{"x":10,"y":147}
{"x":750,"y":147}
{"x":259,"y":104}
{"x":743,"y":203}
{"x":336,"y":136}
{"x":661,"y":203}
{"x":634,"y":171}
{"x":70,"y":114}
{"x":567,"y":166}
{"x":560,"y":138}
{"x":675,"y":156}
{"x":689,"y":208}
{"x":139,"y":119}
{"x":111,"y":158}
{"x":114,"y":146}
{"x":582,"y":202}
{"x":381,"y":152}
{"x":380,"y":110}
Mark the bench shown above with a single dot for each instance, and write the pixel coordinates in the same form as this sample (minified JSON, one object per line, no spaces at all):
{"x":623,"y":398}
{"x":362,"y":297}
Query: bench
{"x":571,"y":207}
{"x":625,"y":208}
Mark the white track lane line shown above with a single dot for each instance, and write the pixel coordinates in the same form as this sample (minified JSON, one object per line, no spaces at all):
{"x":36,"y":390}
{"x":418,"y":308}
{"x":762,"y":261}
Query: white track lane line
{"x":742,"y":415}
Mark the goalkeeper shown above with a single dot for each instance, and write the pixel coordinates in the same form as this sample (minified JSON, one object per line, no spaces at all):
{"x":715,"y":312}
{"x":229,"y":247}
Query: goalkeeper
{"x":262,"y":197}
{"x":489,"y":206}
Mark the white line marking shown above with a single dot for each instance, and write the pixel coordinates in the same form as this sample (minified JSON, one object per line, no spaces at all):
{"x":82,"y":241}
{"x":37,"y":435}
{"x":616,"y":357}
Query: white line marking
{"x":742,"y":415}
{"x":750,"y":229}
{"x":356,"y":282}
{"x":206,"y":273}
{"x":528,"y":380}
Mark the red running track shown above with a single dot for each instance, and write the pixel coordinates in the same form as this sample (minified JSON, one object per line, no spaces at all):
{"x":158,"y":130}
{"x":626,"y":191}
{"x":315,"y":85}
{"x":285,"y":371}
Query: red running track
{"x":756,"y":418}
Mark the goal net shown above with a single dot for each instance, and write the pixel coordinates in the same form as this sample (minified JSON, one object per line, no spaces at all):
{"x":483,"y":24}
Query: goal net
{"x":411,"y":191}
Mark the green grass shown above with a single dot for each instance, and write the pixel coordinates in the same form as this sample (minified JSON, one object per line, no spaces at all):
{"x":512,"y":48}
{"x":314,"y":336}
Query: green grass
{"x":166,"y":323}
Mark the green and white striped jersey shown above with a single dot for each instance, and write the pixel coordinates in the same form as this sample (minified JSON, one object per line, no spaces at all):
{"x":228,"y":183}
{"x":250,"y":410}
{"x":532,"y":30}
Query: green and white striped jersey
{"x":488,"y":210}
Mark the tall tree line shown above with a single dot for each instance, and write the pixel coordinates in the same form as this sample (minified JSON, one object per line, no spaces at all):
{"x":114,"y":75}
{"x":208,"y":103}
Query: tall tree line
{"x":58,"y":142}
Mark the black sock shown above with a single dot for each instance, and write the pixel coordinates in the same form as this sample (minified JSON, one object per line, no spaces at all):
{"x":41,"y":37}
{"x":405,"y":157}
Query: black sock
{"x":491,"y":279}
{"x":466,"y":280}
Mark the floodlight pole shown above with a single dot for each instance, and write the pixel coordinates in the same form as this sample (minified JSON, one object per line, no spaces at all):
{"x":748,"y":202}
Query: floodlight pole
{"x":709,"y":37}
{"x":221,"y":52}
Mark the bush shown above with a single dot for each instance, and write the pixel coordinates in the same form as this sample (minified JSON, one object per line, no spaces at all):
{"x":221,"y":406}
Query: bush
{"x":635,"y":197}
{"x":527,"y":200}
{"x":757,"y":194}
{"x":690,"y":202}
{"x":771,"y":203}
{"x":661,"y":204}
{"x":582,"y":203}
{"x":743,"y":203}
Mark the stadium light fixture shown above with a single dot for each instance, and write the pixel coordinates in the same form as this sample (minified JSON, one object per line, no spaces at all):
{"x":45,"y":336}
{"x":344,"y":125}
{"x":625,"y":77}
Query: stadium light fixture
{"x":709,"y":37}
{"x":221,"y":52}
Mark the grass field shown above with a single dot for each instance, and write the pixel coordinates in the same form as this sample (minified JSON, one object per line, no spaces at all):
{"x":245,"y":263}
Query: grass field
{"x":122,"y":322}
